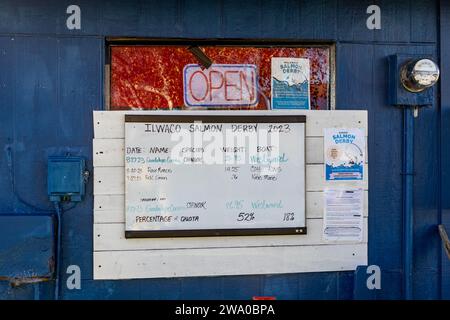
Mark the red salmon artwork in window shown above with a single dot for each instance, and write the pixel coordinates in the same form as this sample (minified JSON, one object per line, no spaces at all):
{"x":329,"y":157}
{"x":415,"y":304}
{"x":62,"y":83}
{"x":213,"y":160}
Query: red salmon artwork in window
{"x":153,"y":77}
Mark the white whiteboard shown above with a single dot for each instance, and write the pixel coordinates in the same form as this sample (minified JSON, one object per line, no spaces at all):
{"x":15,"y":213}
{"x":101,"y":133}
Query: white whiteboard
{"x":214,"y":175}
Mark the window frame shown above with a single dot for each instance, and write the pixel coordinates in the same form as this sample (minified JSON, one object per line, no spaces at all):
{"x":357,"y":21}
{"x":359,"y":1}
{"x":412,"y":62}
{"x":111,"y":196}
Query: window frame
{"x":111,"y":42}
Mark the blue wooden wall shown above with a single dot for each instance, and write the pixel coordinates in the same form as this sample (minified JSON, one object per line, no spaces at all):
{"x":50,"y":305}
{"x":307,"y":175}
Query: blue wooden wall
{"x":51,"y":79}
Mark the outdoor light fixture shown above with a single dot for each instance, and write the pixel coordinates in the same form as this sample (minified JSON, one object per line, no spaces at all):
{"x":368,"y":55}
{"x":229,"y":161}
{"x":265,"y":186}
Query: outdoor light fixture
{"x":419,"y":74}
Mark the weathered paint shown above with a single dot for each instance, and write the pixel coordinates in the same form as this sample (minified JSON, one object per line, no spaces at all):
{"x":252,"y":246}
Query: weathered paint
{"x":27,"y":252}
{"x":52,"y":78}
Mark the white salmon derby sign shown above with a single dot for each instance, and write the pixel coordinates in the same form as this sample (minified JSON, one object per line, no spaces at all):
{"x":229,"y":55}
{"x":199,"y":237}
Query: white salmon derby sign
{"x":220,"y":85}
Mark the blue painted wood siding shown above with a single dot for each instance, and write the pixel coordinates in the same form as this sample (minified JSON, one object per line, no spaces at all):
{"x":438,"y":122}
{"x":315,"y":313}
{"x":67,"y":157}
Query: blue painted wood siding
{"x":51,"y":79}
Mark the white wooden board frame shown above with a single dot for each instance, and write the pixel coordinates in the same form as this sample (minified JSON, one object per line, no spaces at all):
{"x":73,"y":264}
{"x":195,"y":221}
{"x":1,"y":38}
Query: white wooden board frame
{"x":300,"y":227}
{"x":116,"y":257}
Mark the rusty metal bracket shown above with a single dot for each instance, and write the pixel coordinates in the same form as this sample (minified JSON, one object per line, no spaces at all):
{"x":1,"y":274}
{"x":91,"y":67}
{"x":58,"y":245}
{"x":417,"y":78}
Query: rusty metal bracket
{"x":445,"y":241}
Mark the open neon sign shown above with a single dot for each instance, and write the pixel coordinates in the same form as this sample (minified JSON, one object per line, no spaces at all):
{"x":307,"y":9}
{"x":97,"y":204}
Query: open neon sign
{"x":221,"y":85}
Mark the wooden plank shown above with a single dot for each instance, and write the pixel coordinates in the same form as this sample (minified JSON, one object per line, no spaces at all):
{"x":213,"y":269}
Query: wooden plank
{"x":110,"y":180}
{"x":110,"y":208}
{"x":110,"y":152}
{"x":109,"y":202}
{"x":110,"y":124}
{"x":424,"y":18}
{"x":349,"y":56}
{"x":109,"y":216}
{"x":235,"y":21}
{"x":227,"y":261}
{"x":395,"y":21}
{"x":351,"y":18}
{"x":111,"y":237}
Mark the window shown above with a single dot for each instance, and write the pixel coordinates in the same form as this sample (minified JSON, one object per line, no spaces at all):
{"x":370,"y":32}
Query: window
{"x":150,"y":76}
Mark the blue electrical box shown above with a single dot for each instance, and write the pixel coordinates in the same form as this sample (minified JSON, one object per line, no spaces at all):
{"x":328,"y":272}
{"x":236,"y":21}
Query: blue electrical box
{"x":398,"y":95}
{"x":65,"y":179}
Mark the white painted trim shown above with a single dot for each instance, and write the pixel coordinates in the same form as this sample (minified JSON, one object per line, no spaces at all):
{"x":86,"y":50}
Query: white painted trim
{"x":111,"y":237}
{"x":227,"y":261}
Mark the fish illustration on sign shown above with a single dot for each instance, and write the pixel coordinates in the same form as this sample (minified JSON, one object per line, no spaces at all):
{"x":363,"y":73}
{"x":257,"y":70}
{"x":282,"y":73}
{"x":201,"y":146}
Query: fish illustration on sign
{"x":290,"y":83}
{"x":344,"y":154}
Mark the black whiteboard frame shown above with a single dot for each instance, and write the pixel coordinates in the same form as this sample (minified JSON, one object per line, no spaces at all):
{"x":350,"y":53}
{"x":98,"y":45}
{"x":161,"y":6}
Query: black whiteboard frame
{"x":129,"y":234}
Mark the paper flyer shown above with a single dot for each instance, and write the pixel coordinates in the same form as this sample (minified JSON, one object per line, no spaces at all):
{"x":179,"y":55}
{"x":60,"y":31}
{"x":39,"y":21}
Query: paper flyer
{"x":343,"y":214}
{"x":290,"y":83}
{"x":344,"y":151}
